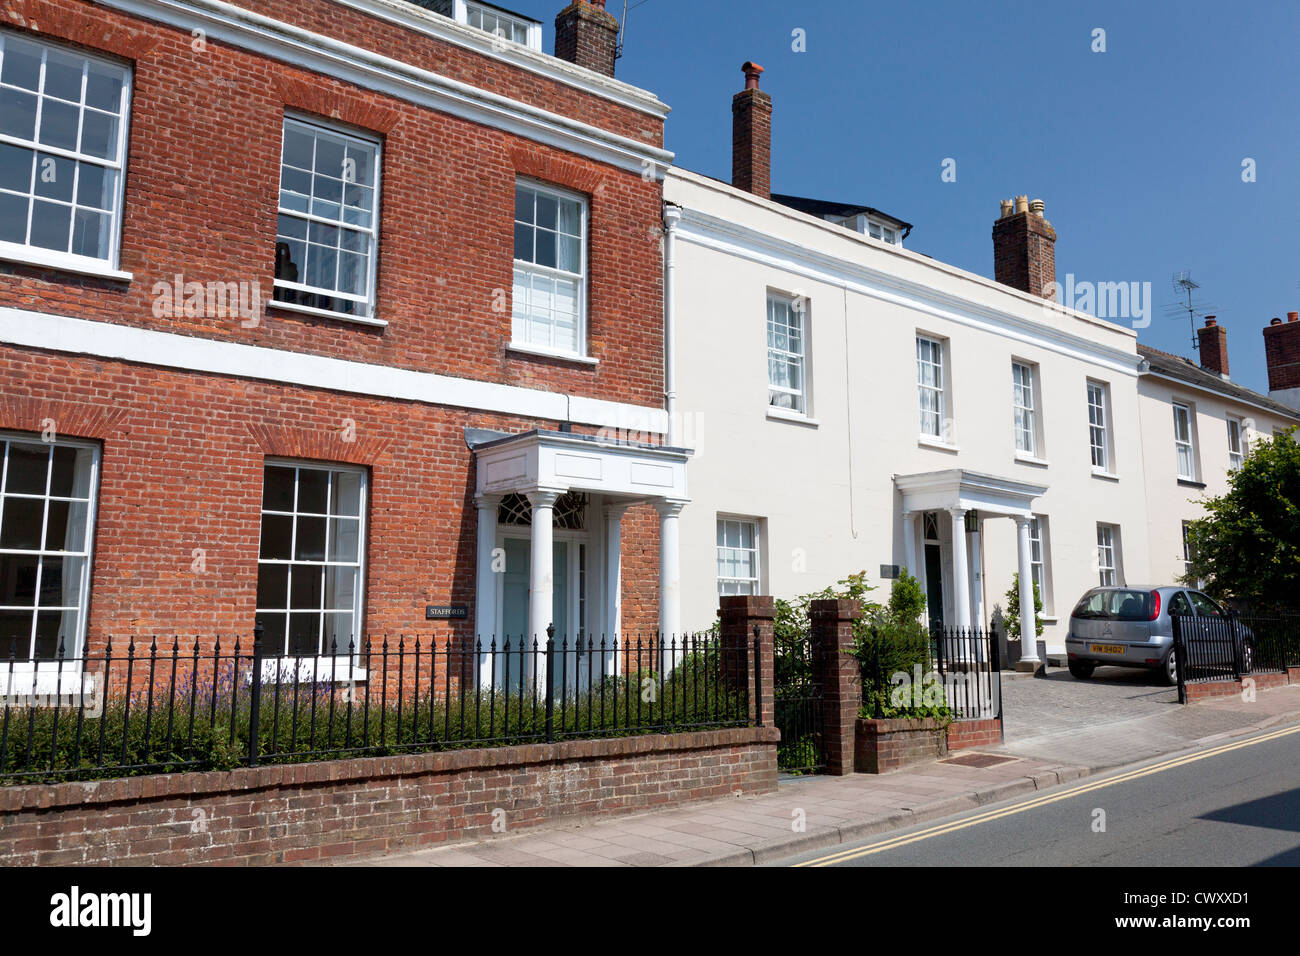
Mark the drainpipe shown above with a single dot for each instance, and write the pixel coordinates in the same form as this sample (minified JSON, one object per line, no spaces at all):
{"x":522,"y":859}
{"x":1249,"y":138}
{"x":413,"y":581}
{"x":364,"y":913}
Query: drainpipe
{"x":672,"y":215}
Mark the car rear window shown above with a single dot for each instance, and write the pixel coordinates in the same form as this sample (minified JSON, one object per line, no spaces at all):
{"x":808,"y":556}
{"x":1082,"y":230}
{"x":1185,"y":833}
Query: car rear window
{"x":1115,"y":605}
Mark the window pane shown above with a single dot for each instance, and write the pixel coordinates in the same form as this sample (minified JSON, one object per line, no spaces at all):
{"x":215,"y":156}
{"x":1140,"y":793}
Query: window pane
{"x":21,"y":524}
{"x":309,"y":545}
{"x":18,"y":114}
{"x":63,"y":75}
{"x":22,"y":64}
{"x":59,"y":124}
{"x":14,"y":211}
{"x":28,"y":469}
{"x":51,"y":226}
{"x":277,"y":537}
{"x":16,"y":167}
{"x":103,"y":88}
{"x":272,"y":585}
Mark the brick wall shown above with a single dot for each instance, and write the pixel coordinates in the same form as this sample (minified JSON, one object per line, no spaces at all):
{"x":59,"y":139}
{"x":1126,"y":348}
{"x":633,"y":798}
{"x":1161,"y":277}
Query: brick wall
{"x":886,"y":744}
{"x":1233,"y":688}
{"x":201,"y":199}
{"x":974,"y":733}
{"x":321,"y":811}
{"x":182,"y":469}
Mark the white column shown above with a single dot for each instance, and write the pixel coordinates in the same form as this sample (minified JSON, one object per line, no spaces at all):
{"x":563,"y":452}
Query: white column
{"x":613,"y":621}
{"x":909,"y":543}
{"x":960,"y":568}
{"x":1028,"y":626}
{"x":670,"y":574}
{"x":485,"y":583}
{"x":541,"y":574}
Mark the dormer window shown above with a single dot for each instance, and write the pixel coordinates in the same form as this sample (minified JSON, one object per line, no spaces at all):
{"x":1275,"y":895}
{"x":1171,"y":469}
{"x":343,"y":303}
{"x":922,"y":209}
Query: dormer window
{"x":875,"y":228}
{"x":500,"y":23}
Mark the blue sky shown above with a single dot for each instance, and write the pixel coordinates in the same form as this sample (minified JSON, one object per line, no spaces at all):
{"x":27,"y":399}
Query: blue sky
{"x":1137,"y":151}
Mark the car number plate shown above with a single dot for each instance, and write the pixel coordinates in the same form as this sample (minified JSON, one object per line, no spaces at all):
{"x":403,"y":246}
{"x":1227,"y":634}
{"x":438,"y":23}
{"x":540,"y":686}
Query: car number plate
{"x":1106,"y":648}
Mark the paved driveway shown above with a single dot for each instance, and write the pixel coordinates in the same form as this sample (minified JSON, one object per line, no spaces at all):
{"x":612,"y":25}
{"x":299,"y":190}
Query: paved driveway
{"x":1118,"y":717}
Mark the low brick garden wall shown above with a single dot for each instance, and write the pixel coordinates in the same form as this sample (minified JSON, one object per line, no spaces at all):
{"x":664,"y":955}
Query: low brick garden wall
{"x":307,"y":812}
{"x":885,"y":744}
{"x":1232,"y":688}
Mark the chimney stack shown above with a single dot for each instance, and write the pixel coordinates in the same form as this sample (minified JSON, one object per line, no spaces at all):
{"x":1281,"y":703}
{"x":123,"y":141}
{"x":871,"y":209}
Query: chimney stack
{"x":1024,"y":247}
{"x":587,"y":34}
{"x":751,"y":136}
{"x":1282,"y":353}
{"x":1213,"y":346}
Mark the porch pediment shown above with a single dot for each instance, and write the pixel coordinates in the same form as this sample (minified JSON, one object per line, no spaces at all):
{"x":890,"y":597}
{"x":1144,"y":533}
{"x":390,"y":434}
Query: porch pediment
{"x":970,"y":490}
{"x":568,"y":462}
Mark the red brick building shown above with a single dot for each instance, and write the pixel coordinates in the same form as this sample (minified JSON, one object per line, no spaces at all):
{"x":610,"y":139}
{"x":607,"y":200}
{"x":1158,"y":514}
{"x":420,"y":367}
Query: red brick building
{"x":273,"y":278}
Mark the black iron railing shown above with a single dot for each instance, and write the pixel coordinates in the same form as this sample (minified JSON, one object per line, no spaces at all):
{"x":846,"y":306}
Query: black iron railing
{"x":1210,"y":649}
{"x":959,"y":667}
{"x":142,"y":706}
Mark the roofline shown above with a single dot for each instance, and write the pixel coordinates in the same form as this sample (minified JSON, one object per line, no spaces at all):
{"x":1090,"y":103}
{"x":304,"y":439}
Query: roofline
{"x":1170,"y":377}
{"x":917,"y":257}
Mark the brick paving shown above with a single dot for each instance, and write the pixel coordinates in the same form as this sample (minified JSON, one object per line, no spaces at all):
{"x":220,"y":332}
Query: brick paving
{"x":1058,"y":729}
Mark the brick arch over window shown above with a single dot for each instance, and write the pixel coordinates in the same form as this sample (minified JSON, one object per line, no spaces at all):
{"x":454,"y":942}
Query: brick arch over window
{"x":84,"y":25}
{"x":68,"y":418}
{"x":319,"y":444}
{"x":549,"y":168}
{"x":347,"y":108}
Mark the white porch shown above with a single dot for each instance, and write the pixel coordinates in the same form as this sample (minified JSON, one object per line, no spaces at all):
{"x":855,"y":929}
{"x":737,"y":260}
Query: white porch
{"x":550,"y":536}
{"x":943,"y":515}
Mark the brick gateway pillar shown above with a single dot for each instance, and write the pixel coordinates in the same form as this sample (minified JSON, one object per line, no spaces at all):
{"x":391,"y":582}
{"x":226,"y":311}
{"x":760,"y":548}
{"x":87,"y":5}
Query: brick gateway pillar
{"x":841,"y":679}
{"x":740,"y":615}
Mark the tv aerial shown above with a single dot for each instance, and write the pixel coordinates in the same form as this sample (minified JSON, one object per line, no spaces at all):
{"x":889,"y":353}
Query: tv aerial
{"x":1184,"y":285}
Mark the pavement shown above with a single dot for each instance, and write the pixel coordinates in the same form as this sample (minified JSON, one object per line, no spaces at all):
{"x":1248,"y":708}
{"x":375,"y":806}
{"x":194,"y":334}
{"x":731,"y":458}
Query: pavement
{"x":1057,"y":730}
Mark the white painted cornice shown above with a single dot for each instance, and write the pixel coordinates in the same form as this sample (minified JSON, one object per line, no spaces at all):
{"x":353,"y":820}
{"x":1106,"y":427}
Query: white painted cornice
{"x":432,"y":24}
{"x":779,"y":252}
{"x":240,"y":27}
{"x":188,"y":353}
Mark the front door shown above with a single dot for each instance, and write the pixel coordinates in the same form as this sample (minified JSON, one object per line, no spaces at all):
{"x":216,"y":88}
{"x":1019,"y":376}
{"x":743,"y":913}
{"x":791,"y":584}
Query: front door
{"x":934,"y":582}
{"x":566,"y":600}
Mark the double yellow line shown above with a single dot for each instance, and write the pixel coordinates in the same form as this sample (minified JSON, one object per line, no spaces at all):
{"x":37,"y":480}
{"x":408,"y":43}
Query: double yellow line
{"x":1033,"y":803}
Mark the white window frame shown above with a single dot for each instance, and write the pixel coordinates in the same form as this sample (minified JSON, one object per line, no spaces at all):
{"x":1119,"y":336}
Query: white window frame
{"x":368,"y":301}
{"x":1108,"y":557}
{"x":1024,"y":404}
{"x":330,"y":662}
{"x":532,"y":268}
{"x":755,"y":582}
{"x":461,"y":14}
{"x":1185,"y":445}
{"x":108,"y":266}
{"x":1040,"y":558}
{"x":72,"y":655}
{"x":939,"y":363}
{"x":1237,"y":444}
{"x":1099,"y":436}
{"x":796,"y":310}
{"x":1187,"y":550}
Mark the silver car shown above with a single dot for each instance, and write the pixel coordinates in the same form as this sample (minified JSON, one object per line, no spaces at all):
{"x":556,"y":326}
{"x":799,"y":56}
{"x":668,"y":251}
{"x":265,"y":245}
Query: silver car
{"x":1132,"y":627}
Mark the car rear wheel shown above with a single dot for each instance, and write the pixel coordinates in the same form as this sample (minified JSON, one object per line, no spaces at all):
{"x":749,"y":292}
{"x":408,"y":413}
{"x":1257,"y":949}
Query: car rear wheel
{"x":1082,"y":670}
{"x":1169,"y":670}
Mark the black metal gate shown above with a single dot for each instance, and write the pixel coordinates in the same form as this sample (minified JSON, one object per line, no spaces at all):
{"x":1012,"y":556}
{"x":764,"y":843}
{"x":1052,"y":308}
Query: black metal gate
{"x":797,"y":693}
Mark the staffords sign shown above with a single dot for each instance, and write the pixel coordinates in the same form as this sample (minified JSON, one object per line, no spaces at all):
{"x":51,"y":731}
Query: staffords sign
{"x":446,"y":612}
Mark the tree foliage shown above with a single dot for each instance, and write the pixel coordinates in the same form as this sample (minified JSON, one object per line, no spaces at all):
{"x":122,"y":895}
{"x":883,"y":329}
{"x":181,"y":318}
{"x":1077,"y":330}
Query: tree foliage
{"x":1247,"y":548}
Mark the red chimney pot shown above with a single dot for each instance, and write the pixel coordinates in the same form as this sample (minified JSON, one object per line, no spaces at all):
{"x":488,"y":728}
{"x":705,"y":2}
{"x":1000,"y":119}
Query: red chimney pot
{"x":1209,"y":321}
{"x":1293,"y":316}
{"x":752,"y":72}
